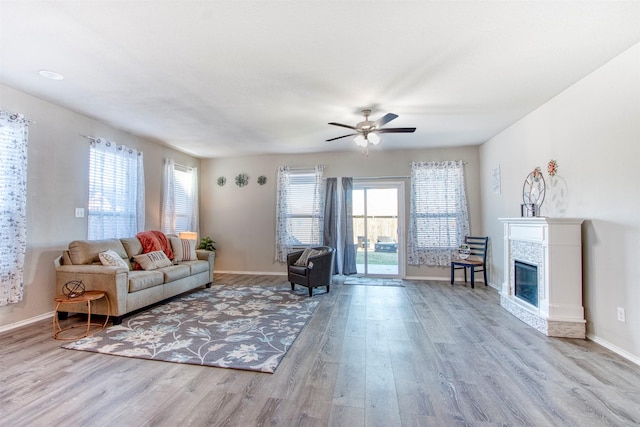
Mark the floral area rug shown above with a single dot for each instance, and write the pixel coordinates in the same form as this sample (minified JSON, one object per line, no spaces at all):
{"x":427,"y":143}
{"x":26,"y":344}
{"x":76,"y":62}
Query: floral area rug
{"x":238,"y":327}
{"x":372,"y":281}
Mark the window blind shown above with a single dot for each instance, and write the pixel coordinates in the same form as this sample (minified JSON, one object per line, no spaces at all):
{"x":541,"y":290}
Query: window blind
{"x":115,"y":176}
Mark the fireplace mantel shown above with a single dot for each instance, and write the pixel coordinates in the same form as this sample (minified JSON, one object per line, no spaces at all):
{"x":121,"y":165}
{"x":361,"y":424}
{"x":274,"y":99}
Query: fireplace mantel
{"x":554,"y":246}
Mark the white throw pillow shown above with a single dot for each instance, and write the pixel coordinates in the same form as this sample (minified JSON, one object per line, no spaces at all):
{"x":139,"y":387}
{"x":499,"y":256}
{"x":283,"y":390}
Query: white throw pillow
{"x":183,"y":249}
{"x":153,"y":260}
{"x":111,"y":258}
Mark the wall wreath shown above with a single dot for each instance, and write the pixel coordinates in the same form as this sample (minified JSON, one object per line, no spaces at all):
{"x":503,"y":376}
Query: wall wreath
{"x":242,"y":180}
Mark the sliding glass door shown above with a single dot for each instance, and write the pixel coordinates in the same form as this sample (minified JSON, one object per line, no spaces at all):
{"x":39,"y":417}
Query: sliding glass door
{"x":377,"y":227}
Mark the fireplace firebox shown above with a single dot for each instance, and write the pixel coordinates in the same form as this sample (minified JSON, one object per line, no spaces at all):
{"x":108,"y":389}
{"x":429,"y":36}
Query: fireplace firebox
{"x":526,"y":282}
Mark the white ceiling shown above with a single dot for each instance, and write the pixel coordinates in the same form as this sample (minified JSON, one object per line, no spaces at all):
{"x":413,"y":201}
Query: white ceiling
{"x":227,"y":78}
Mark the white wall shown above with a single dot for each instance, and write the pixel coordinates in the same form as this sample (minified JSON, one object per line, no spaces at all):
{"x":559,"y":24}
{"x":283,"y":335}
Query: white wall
{"x":242,"y":220}
{"x":58,"y":159}
{"x":592,"y":129}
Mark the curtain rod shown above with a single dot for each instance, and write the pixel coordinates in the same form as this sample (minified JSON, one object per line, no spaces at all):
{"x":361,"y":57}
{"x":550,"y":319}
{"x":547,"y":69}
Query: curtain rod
{"x":380,"y":177}
{"x":463,"y":161}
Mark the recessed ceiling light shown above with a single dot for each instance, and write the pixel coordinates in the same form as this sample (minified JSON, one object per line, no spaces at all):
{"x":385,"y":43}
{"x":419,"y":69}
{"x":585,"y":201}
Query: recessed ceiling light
{"x":52,"y":75}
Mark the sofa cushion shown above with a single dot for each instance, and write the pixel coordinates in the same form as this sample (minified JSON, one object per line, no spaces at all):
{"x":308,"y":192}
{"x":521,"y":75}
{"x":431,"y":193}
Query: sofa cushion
{"x":183,"y":249}
{"x":88,"y":251}
{"x":132,"y":245}
{"x":111,"y":258}
{"x":196,"y":266}
{"x":140,"y":279}
{"x":175,"y":272}
{"x":152,"y":260}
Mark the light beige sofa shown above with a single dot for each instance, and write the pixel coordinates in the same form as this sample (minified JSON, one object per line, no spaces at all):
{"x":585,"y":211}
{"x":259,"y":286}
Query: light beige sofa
{"x":128,"y":290}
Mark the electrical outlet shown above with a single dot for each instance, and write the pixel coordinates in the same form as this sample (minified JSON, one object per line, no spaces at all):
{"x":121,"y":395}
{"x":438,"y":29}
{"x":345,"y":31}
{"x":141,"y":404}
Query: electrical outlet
{"x":621,"y":314}
{"x":79,"y":212}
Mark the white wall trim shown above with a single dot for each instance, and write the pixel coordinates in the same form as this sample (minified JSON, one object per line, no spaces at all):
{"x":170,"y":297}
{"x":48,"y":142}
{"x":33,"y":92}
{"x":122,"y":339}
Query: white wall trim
{"x":620,"y":352}
{"x":253,"y":273}
{"x":26,"y":322}
{"x":433,"y":278}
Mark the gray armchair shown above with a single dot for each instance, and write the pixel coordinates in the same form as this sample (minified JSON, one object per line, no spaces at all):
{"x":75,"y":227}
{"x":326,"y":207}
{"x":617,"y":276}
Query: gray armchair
{"x":317,"y":271}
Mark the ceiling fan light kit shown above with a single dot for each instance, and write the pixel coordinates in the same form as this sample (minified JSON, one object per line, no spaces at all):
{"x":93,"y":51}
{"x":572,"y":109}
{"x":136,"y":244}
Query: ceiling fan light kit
{"x":366,"y":132}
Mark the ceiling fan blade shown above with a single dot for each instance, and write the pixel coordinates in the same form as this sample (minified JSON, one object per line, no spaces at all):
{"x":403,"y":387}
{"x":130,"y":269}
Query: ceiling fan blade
{"x":343,"y":136}
{"x":385,"y":119}
{"x":395,"y":130}
{"x":344,"y":126}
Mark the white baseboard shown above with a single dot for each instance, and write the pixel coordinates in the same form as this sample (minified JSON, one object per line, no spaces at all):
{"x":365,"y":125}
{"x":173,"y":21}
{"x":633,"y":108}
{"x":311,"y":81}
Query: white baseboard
{"x":26,"y":322}
{"x":253,"y":273}
{"x":620,"y":352}
{"x":437,"y":279}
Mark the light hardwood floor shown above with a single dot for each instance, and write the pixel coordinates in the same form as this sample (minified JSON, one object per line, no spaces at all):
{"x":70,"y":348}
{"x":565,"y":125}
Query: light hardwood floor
{"x":425,"y":354}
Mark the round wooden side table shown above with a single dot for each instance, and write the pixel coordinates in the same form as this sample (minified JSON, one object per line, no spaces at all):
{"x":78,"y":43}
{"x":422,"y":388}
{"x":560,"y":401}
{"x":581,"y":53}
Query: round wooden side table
{"x":87,"y":297}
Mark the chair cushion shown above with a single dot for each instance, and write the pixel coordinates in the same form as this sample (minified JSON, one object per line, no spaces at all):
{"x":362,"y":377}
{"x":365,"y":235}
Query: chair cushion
{"x":302,"y":271}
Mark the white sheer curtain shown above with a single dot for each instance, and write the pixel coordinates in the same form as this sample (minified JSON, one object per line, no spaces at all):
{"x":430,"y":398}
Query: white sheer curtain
{"x":179,"y":198}
{"x":168,"y":217}
{"x":116,"y":190}
{"x":13,"y":205}
{"x":439,"y":218}
{"x":195,"y":201}
{"x":299,"y":209}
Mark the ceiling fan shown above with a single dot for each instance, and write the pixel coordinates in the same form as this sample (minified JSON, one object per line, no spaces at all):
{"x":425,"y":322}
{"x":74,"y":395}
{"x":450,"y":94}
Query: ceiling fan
{"x":367,"y":130}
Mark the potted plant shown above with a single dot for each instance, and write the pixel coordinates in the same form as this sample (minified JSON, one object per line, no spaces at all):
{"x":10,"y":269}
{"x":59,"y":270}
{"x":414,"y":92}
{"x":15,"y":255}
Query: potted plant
{"x":207,"y":244}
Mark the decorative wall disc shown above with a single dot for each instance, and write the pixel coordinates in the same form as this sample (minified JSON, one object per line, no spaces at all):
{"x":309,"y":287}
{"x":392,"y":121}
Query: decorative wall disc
{"x":222,"y":181}
{"x":262,"y":180}
{"x":242,"y":180}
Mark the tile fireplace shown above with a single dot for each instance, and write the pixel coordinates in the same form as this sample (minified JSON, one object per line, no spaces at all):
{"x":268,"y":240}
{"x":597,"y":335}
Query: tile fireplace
{"x":543,"y":274}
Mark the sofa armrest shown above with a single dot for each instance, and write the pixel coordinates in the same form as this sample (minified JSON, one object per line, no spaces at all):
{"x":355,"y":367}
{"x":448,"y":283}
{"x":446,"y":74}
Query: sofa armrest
{"x":209,"y":256}
{"x":114,"y":281}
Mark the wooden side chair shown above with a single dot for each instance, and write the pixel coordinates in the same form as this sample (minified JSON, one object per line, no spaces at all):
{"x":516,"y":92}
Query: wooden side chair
{"x":476,"y":262}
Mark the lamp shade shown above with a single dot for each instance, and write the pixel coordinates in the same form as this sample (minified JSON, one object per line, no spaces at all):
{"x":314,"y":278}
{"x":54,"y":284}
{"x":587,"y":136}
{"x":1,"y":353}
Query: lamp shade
{"x":189,"y":235}
{"x":360,"y":141}
{"x":374,"y":138}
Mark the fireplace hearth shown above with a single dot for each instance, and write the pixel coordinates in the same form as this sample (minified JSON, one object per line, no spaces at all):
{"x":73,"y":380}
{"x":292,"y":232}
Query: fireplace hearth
{"x":543,"y":274}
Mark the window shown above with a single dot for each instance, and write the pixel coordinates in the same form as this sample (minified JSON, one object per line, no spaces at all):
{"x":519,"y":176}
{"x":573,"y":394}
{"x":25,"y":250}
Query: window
{"x":439,"y":219}
{"x":180,"y":198}
{"x":13,"y":205}
{"x":299,"y":210}
{"x":116,"y":191}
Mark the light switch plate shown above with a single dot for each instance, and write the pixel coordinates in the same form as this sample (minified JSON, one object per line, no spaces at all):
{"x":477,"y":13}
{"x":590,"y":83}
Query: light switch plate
{"x":79,"y":212}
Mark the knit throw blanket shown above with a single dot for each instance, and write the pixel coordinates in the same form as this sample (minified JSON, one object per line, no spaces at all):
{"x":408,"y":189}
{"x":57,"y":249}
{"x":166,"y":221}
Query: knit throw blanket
{"x":155,"y":241}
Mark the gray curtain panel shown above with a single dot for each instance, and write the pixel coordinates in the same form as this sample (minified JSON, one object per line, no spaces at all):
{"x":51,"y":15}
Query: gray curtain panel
{"x":330,"y":232}
{"x":349,"y":252}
